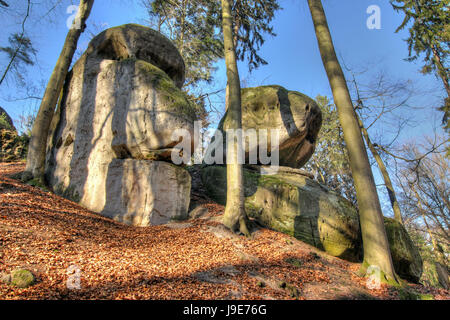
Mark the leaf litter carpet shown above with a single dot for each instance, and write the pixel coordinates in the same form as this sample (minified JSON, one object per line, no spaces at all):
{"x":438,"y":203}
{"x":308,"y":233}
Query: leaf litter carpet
{"x":194,"y":259}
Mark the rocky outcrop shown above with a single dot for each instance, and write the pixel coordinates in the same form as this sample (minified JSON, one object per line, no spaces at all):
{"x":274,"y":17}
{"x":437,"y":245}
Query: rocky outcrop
{"x":12,"y":146}
{"x":6,"y":121}
{"x":405,"y":255}
{"x":114,"y":125}
{"x":294,"y":204}
{"x":297,"y":117}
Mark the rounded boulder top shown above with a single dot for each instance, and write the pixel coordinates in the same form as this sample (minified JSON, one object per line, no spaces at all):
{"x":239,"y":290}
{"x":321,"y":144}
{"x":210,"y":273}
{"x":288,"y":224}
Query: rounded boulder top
{"x":133,"y":41}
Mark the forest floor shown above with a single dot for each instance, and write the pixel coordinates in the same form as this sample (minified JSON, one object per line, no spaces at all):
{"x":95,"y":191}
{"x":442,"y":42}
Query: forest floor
{"x":193,"y":259}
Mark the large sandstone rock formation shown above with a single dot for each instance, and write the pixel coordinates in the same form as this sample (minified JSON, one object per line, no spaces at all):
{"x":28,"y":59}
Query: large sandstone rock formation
{"x":120,"y":105}
{"x":297,"y":116}
{"x":294,"y":204}
{"x":405,"y":255}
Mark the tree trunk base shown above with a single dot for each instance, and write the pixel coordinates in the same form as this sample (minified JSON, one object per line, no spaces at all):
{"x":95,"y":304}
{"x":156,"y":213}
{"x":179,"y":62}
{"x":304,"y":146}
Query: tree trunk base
{"x":379,"y":274}
{"x":237,"y":222}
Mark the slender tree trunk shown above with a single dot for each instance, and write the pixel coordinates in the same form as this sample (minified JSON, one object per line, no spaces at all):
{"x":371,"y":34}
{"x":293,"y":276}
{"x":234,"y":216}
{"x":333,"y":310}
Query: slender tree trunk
{"x":234,"y":217}
{"x":384,"y":173}
{"x":39,"y":133}
{"x":236,"y":27}
{"x":375,"y":242}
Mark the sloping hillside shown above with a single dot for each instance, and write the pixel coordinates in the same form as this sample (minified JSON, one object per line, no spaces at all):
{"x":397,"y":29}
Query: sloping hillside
{"x":195,"y":259}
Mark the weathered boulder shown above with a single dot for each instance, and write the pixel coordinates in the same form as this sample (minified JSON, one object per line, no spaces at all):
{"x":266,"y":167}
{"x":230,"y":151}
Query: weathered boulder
{"x":405,"y":255}
{"x":116,"y":116}
{"x":297,"y":116}
{"x":294,"y":204}
{"x":133,"y":41}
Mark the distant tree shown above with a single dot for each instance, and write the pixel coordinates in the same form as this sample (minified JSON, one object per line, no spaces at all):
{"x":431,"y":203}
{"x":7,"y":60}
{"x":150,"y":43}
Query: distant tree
{"x":25,"y":122}
{"x":191,"y":25}
{"x":429,"y":35}
{"x":375,"y":242}
{"x":378,"y":108}
{"x":19,"y":51}
{"x":38,"y":142}
{"x":425,"y":200}
{"x":330,"y":162}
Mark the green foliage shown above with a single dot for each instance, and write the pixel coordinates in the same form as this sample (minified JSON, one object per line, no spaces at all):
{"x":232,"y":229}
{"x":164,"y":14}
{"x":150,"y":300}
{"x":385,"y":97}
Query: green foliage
{"x":19,"y":52}
{"x":4,"y":123}
{"x":252,"y":20}
{"x":446,"y":118}
{"x":429,"y":35}
{"x":191,"y":25}
{"x":330,"y":160}
{"x":430,"y":29}
{"x":194,"y":26}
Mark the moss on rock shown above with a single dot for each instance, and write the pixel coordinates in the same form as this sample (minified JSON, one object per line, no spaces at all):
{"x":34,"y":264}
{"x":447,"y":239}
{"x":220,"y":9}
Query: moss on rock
{"x":295,"y":205}
{"x":22,"y":278}
{"x":408,"y":294}
{"x":405,"y":255}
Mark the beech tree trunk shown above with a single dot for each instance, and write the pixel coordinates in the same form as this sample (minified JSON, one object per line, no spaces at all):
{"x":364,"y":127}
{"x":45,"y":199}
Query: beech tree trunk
{"x":384,"y":173}
{"x":375,"y":242}
{"x":38,"y":142}
{"x":234,"y":217}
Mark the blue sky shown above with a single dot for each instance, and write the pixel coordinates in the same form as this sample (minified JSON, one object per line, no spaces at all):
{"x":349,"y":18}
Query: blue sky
{"x":293,"y":56}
